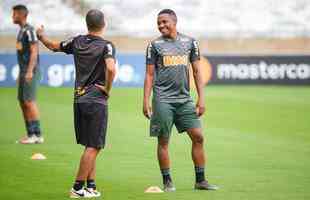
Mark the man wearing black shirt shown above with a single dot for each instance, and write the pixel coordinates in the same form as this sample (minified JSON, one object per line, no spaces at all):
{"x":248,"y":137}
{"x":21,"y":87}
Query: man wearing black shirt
{"x":94,"y":60}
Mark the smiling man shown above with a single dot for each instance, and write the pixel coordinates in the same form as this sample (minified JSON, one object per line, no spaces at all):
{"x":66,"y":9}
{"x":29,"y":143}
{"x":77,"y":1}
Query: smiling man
{"x":167,"y":72}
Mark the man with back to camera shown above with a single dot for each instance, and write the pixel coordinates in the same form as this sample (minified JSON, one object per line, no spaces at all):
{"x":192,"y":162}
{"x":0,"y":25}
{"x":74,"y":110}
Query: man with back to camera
{"x":29,"y":75}
{"x":94,"y":60}
{"x":167,"y":72}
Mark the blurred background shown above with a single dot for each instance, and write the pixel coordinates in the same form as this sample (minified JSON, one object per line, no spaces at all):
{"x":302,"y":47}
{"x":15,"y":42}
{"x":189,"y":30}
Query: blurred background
{"x":242,"y":41}
{"x":223,"y":26}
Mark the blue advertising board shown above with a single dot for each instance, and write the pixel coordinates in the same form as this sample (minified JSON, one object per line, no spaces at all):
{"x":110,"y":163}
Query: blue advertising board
{"x":58,"y":70}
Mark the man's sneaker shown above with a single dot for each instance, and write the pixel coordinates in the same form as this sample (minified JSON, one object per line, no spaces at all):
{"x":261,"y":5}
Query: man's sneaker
{"x":32,"y":140}
{"x":204,"y":185}
{"x":39,"y":140}
{"x":28,"y":140}
{"x":169,"y":187}
{"x":77,"y":193}
{"x":82,"y":193}
{"x":95,"y":192}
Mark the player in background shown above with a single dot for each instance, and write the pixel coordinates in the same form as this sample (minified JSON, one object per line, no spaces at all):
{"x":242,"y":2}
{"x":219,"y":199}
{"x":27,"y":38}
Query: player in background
{"x":94,"y":59}
{"x":167,"y":73}
{"x":29,"y":75}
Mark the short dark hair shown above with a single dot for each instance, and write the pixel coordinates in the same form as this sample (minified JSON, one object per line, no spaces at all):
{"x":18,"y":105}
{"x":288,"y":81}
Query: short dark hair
{"x":22,"y":8}
{"x":95,"y":20}
{"x":169,"y":12}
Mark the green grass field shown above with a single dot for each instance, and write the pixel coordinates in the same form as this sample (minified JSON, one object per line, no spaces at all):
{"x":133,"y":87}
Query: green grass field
{"x":258,"y":142}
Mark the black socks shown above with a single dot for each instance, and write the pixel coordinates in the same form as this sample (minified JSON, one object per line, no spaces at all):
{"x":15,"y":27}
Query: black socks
{"x":91,"y":184}
{"x":80,"y":184}
{"x":200,"y":174}
{"x":33,"y":128}
{"x":166,"y":175}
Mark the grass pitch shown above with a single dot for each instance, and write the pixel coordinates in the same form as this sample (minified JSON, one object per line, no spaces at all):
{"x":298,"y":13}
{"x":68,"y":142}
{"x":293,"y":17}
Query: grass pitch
{"x":258,"y":142}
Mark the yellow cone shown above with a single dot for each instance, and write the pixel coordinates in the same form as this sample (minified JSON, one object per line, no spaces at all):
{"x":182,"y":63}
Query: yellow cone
{"x":38,"y":156}
{"x":153,"y":189}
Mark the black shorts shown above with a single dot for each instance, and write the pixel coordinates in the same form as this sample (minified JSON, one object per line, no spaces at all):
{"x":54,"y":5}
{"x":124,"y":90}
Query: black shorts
{"x":90,"y":123}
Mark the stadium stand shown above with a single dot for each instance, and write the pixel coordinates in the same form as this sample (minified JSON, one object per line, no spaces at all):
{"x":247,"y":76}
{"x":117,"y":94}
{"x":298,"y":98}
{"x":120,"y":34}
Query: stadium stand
{"x":208,"y":18}
{"x":60,"y":17}
{"x":241,"y":26}
{"x":241,"y":18}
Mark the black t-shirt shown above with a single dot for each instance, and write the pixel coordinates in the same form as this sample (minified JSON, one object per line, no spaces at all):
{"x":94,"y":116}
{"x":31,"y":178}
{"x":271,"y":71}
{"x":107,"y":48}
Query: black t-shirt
{"x":25,"y":38}
{"x":89,"y":53}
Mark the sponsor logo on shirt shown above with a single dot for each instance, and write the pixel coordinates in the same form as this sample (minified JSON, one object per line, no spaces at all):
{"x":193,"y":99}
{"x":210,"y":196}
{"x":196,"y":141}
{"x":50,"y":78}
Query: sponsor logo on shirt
{"x":170,"y":60}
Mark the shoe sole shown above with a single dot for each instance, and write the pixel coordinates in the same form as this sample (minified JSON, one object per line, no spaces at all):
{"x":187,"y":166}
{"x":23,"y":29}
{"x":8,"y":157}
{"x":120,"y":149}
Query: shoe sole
{"x":170,"y":190}
{"x":76,"y":196}
{"x":202,"y":188}
{"x":96,"y":195}
{"x":34,"y":142}
{"x":27,"y":143}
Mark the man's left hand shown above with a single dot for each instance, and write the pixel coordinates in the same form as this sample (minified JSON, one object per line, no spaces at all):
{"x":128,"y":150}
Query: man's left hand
{"x":103,"y":89}
{"x":200,"y":108}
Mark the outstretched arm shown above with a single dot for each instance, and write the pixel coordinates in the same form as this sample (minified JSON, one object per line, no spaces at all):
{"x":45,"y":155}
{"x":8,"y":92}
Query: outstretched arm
{"x":200,"y":106}
{"x":52,"y":45}
{"x":148,"y":84}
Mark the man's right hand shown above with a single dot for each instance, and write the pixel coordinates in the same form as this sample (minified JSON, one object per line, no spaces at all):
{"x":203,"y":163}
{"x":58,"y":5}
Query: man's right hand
{"x":147,"y":110}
